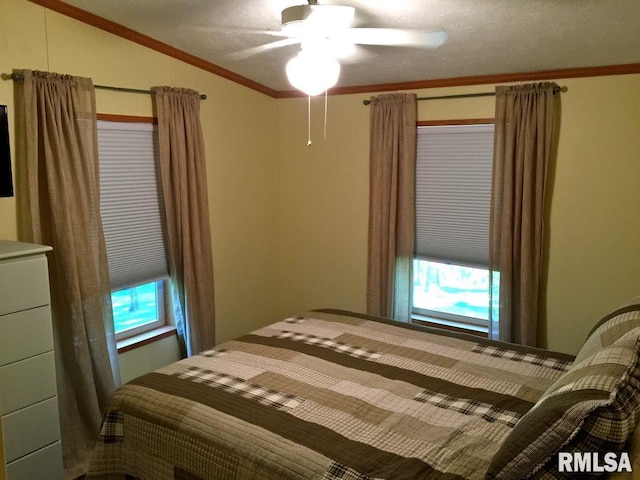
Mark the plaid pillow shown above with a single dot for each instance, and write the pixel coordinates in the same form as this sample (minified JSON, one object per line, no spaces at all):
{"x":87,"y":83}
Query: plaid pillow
{"x":623,"y":321}
{"x":594,"y":407}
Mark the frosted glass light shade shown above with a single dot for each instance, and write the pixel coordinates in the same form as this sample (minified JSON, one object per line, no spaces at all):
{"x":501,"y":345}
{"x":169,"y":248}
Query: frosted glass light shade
{"x":313,"y":72}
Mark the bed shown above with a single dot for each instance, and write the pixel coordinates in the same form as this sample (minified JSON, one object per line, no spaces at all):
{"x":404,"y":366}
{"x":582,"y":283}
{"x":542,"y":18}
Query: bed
{"x":331,"y":395}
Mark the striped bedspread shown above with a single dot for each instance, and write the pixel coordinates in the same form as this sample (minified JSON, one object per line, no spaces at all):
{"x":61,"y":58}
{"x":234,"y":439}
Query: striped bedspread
{"x":326,"y":395}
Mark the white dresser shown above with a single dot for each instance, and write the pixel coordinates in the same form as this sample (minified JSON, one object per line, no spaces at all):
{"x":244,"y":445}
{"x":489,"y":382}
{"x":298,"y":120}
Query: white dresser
{"x":28,"y":395}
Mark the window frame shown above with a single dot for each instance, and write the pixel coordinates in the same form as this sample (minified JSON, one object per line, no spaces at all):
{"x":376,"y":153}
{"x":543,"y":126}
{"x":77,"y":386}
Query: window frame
{"x":162,"y":283}
{"x":420,"y":315}
{"x":449,"y":317}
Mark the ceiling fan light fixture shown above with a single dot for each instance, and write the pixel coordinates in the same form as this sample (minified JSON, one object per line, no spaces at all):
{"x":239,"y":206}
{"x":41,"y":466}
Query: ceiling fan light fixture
{"x":313,"y":72}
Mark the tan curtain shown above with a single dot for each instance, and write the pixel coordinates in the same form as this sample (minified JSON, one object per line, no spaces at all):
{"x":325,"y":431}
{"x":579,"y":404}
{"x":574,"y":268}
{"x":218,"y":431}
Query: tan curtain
{"x":59,"y":203}
{"x":522,"y":150}
{"x":184,"y":187}
{"x":391,"y":205}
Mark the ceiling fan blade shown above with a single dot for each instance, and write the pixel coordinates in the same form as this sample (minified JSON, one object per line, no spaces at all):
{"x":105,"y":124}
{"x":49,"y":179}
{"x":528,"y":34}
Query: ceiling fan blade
{"x":356,"y":55}
{"x":396,"y":37}
{"x":248,"y":52}
{"x":240,"y":31}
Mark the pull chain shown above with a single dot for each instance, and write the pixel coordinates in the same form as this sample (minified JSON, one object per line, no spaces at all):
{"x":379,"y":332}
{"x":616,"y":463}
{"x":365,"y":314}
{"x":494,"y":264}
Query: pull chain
{"x":326,"y":95}
{"x":309,"y":121}
{"x":326,"y":109}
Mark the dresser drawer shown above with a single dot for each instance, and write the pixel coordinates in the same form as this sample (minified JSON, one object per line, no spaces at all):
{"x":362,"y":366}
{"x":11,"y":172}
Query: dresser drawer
{"x":30,"y":429}
{"x":24,"y":283}
{"x":43,"y":464}
{"x":25,"y":334}
{"x":27,"y":382}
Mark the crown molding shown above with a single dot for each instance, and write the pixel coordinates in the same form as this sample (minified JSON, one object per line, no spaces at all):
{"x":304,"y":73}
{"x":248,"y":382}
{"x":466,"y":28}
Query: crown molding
{"x":599,"y":71}
{"x":133,"y":36}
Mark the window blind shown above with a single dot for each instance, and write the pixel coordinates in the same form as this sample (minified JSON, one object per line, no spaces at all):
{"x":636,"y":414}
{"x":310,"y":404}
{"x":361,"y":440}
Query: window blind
{"x":453,"y":193}
{"x":131,"y":203}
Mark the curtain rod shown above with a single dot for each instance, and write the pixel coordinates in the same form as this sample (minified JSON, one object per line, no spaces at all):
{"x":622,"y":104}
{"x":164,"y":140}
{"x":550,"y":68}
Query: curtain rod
{"x":16,"y":77}
{"x":468,"y":95}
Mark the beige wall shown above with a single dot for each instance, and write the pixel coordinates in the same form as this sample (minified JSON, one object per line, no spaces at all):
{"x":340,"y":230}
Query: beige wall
{"x":143,"y":360}
{"x":322,"y":204}
{"x":594,"y":226}
{"x":239,"y":141}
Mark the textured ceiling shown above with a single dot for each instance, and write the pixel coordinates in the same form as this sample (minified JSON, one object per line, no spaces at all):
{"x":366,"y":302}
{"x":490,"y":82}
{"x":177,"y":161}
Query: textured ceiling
{"x":486,"y":37}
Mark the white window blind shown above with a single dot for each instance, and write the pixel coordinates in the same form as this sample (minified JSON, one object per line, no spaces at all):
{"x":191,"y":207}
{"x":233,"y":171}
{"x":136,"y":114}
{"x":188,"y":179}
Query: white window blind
{"x":131,"y":203}
{"x":453,"y":193}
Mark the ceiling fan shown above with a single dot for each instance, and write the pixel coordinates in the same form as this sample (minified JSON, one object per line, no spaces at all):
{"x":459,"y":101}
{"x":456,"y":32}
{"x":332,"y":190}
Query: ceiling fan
{"x":325,"y":34}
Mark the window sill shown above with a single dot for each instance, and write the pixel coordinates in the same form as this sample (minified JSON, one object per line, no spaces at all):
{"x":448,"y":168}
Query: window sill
{"x":450,"y":325}
{"x":142,"y":339}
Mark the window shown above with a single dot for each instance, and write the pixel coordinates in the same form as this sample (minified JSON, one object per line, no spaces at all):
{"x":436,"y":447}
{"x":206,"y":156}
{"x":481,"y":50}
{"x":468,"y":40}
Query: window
{"x":133,"y":222}
{"x":453,"y":193}
{"x":451,"y":292}
{"x":138,"y":309}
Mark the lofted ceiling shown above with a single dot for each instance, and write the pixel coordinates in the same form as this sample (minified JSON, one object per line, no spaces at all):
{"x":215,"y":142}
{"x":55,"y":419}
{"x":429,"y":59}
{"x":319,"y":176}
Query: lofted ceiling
{"x":485,"y":37}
